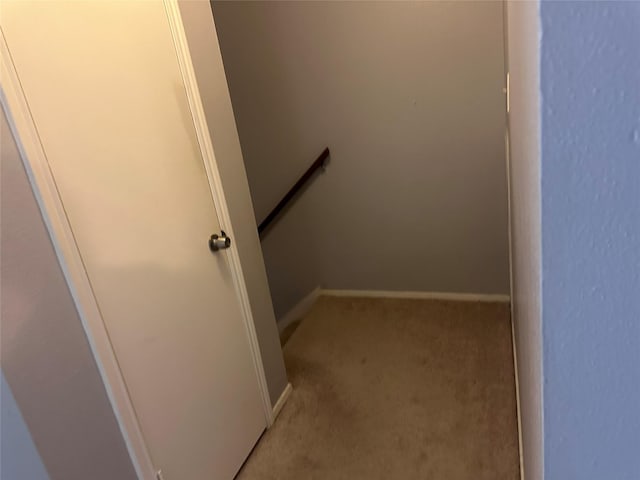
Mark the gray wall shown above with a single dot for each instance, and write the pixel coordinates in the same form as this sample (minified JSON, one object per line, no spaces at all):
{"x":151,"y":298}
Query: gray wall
{"x":590,"y":79}
{"x":205,"y":54}
{"x":408,"y":96}
{"x":19,"y":459}
{"x":46,"y":358}
{"x":524,"y":130}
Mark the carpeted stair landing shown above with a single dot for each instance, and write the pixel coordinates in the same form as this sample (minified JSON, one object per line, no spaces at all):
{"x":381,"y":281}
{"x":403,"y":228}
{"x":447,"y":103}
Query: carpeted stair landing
{"x":395,"y":389}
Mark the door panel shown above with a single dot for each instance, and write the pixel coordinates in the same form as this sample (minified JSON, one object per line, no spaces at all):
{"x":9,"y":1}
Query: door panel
{"x":104,"y":88}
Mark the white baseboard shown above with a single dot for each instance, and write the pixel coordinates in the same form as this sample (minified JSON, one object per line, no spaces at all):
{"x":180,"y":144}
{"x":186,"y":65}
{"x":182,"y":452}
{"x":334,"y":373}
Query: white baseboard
{"x":299,"y":310}
{"x":460,"y":297}
{"x":277,"y":408}
{"x":304,"y":305}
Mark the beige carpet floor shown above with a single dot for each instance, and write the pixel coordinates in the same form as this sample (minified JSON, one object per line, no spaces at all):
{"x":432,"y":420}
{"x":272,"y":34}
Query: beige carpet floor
{"x":395,"y":389}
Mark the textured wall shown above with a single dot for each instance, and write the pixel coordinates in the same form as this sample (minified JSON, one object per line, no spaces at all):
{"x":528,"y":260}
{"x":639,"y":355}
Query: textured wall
{"x":524,"y":162}
{"x":19,"y":459}
{"x":46,"y":357}
{"x":590,"y":83}
{"x":408,"y":96}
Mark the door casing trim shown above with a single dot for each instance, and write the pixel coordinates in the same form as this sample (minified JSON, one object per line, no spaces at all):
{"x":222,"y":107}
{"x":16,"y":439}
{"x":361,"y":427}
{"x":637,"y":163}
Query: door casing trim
{"x":51,"y":207}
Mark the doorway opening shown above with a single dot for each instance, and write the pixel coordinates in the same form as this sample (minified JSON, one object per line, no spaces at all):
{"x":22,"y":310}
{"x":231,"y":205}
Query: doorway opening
{"x":373,"y":136}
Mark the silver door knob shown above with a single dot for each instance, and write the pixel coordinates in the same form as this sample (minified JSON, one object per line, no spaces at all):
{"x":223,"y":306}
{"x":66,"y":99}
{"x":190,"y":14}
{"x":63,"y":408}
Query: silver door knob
{"x":218,"y":242}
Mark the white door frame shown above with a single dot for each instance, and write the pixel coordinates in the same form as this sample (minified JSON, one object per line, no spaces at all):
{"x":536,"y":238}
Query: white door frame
{"x":45,"y":190}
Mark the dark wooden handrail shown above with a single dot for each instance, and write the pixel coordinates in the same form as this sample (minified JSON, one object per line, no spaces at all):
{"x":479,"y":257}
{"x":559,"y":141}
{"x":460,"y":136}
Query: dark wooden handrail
{"x":318,"y":163}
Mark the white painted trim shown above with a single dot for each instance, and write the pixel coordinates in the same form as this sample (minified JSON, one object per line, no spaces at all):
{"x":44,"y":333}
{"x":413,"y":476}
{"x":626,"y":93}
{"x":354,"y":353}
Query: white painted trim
{"x":46,"y":192}
{"x":507,"y":147}
{"x":458,"y":297}
{"x":305,"y":305}
{"x":217,"y":192}
{"x":518,"y":408}
{"x":277,"y":408}
{"x":300,"y":309}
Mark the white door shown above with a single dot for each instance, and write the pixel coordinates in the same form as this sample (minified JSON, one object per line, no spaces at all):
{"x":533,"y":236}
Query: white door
{"x":104,"y":87}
